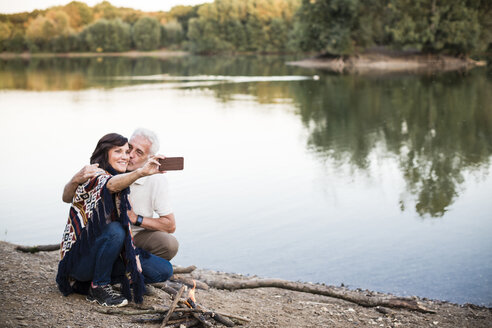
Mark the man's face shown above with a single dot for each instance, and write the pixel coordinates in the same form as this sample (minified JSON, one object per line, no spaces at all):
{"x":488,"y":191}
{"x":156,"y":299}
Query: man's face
{"x":139,"y":152}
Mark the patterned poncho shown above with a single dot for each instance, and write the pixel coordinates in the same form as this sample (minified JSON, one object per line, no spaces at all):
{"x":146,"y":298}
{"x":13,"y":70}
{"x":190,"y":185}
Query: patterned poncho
{"x":93,"y":207}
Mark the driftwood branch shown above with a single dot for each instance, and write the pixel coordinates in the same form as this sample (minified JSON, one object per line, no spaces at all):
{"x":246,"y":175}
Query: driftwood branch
{"x":188,"y":269}
{"x":38,"y":248}
{"x":173,"y":306}
{"x":331,"y":291}
{"x":117,"y":311}
{"x":217,"y":317}
{"x":189,"y":281}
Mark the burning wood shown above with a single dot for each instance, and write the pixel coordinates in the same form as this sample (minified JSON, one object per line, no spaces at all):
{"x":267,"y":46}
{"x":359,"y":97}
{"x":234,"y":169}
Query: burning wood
{"x":197,"y":315}
{"x":184,"y":310}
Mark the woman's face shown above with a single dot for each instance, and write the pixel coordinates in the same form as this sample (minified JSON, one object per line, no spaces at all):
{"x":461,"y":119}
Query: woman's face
{"x":118,"y":157}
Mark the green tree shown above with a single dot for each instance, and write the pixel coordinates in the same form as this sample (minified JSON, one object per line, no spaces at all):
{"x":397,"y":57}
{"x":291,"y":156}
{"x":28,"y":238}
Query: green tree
{"x":104,"y":35}
{"x":5,"y":32}
{"x":338,"y":27}
{"x":172,"y":33}
{"x":183,"y":14}
{"x":43,"y":29}
{"x":242,"y":25}
{"x":146,"y":33}
{"x":449,"y":26}
{"x":80,"y":14}
{"x":106,"y":10}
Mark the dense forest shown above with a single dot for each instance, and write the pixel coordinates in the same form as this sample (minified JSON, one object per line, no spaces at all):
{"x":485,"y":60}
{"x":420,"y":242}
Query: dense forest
{"x":335,"y":27}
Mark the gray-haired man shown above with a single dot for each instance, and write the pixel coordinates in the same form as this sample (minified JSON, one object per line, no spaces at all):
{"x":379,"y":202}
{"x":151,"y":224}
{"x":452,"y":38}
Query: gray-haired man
{"x":151,"y":214}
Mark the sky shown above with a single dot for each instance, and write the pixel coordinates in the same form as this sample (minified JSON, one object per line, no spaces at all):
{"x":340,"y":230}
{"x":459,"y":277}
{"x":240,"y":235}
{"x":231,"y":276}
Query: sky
{"x":9,"y":6}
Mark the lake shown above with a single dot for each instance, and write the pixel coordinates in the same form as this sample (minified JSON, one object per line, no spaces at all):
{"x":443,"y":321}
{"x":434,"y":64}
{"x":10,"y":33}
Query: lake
{"x":379,"y":182}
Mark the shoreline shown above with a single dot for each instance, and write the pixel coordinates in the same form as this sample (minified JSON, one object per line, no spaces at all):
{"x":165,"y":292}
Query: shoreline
{"x":373,"y":62}
{"x":131,"y":54}
{"x":387,"y":63}
{"x":30,"y":297}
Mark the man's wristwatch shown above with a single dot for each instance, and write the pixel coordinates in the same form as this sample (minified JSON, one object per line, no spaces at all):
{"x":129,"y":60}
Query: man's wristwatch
{"x":139,"y":220}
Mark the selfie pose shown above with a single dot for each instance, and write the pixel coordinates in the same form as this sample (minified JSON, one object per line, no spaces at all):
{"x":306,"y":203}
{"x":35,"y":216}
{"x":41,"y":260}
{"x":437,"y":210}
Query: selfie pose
{"x":152,"y":218}
{"x":97,"y":248}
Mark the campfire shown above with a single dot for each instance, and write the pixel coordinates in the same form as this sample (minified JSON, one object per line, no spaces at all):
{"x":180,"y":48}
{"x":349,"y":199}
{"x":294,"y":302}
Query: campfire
{"x":184,"y":310}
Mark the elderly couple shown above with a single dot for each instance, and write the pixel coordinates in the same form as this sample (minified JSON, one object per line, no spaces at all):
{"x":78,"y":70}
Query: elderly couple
{"x":112,"y":235}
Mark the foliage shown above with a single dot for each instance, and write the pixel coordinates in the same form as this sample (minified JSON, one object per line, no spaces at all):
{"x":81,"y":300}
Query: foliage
{"x":450,"y":26}
{"x":248,"y":25}
{"x":337,"y":27}
{"x":5,"y":31}
{"x":43,"y":29}
{"x":108,"y":35}
{"x":106,"y":10}
{"x":146,"y":33}
{"x":80,"y":14}
{"x":182,"y":14}
{"x":172,"y":33}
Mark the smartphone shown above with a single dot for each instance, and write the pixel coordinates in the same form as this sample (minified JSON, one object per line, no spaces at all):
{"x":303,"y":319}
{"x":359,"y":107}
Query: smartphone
{"x":171,"y":164}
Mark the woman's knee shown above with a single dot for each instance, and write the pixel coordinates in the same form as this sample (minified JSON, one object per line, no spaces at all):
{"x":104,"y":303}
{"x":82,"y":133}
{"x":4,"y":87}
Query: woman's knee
{"x":114,"y":231}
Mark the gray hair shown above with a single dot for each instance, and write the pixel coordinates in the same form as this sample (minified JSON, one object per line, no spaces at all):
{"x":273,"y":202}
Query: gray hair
{"x":150,"y":136}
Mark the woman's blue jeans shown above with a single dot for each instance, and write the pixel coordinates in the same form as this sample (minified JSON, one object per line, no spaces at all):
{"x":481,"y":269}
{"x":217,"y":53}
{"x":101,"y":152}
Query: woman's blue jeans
{"x":103,"y":263}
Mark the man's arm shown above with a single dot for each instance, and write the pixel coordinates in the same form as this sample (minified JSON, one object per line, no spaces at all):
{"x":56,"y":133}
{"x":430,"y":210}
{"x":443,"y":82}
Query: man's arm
{"x":86,"y":173}
{"x":164,"y":223}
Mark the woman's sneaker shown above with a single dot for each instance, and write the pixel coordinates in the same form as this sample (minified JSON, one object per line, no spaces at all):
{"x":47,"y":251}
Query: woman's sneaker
{"x":106,"y":296}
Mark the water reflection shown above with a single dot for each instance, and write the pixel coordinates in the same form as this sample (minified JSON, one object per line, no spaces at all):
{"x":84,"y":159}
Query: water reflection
{"x":48,"y":74}
{"x":437,"y":126}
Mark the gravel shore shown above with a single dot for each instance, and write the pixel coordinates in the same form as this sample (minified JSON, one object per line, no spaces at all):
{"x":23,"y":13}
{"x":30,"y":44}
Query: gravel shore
{"x":30,"y":298}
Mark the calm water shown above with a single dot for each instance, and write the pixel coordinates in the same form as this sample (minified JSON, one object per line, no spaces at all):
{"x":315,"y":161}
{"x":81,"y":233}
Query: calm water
{"x":377,"y":182}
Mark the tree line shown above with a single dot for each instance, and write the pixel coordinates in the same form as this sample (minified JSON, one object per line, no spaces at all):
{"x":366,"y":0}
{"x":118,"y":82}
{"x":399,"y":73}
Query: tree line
{"x":336,"y":27}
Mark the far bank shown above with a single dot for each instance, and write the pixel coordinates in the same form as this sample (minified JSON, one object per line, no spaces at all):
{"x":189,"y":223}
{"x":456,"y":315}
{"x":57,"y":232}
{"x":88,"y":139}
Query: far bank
{"x":387,"y":63}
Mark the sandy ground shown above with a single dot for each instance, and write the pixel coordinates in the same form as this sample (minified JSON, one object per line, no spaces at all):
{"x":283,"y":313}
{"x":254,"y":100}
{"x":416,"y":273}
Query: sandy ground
{"x":30,"y":298}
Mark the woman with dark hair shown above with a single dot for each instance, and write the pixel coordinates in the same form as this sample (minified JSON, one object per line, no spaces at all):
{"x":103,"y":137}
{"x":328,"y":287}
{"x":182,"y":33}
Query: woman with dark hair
{"x":97,"y":247}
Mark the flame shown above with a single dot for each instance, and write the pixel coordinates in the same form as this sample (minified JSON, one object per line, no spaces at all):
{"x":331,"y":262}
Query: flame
{"x":191,"y":293}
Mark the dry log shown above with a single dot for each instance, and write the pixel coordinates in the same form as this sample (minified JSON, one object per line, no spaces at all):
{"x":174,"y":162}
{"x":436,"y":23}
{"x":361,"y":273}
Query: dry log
{"x":331,"y":291}
{"x":187,"y":323}
{"x":129,"y":312}
{"x":188,"y":269}
{"x":38,"y":248}
{"x":202,"y":320}
{"x":148,"y":320}
{"x":189,"y":281}
{"x":146,"y":311}
{"x":165,"y":287}
{"x":233,"y":316}
{"x":217,"y":317}
{"x":173,"y":306}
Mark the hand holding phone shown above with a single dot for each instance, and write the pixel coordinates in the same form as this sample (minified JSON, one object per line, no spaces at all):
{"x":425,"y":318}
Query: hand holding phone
{"x":171,"y":163}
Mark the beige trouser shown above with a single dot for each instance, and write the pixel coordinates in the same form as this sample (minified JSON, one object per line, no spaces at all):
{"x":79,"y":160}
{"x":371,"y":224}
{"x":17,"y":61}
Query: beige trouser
{"x":159,"y":243}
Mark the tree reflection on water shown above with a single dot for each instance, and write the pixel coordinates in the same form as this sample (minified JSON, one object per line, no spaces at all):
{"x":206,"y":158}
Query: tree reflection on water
{"x":437,"y":126}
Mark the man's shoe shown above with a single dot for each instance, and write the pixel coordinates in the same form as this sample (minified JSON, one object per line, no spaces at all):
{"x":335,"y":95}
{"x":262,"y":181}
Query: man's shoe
{"x":106,"y":296}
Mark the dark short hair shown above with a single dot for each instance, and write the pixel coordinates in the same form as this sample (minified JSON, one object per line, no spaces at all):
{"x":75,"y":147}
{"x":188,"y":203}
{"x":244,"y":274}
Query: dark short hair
{"x":100,"y":154}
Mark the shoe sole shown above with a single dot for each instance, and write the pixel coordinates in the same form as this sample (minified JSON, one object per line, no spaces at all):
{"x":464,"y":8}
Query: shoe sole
{"x":125,"y":302}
